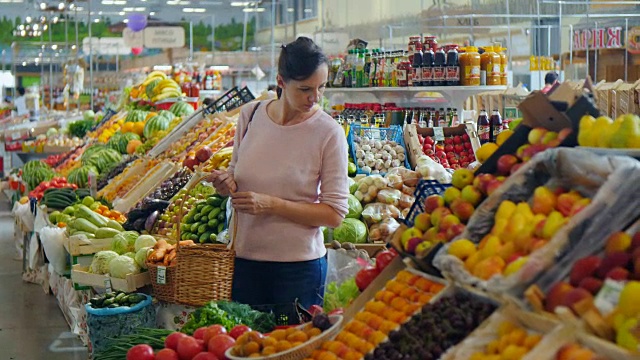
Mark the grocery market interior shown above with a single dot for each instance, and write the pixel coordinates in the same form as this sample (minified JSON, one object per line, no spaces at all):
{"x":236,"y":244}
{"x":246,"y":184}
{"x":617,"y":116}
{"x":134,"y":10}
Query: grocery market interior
{"x":487,"y":209}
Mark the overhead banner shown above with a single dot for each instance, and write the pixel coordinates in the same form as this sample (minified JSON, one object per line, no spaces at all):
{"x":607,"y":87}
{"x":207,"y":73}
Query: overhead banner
{"x":605,"y":38}
{"x":155,"y":37}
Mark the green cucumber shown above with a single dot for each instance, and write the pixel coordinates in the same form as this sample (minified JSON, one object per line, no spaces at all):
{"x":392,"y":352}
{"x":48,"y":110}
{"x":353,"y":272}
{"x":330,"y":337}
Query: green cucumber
{"x":197,"y":217}
{"x":194,"y":227}
{"x":213,"y":237}
{"x":222,"y":216}
{"x":206,"y":209}
{"x":220,"y":228}
{"x":224,"y":204}
{"x":202,"y":229}
{"x":194,"y":237}
{"x":215,"y":212}
{"x":106,"y":233}
{"x":213,"y":224}
{"x":214,"y":201}
{"x":205,"y":237}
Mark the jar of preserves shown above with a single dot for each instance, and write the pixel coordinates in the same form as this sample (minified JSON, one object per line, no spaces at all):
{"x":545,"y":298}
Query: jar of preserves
{"x":430,"y":42}
{"x":470,"y":67}
{"x":403,"y":71}
{"x":490,"y":67}
{"x":414,"y":44}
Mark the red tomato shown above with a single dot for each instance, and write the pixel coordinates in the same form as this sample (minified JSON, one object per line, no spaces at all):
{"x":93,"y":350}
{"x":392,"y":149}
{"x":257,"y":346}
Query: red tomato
{"x":205,"y":356}
{"x":239,"y":330}
{"x":212,"y":331}
{"x":171,"y":342}
{"x":383,"y":259}
{"x":219,"y":344}
{"x":199,"y":334}
{"x":140,"y":352}
{"x":202,"y":344}
{"x":188,"y":348}
{"x":365,"y":276}
{"x":167,"y":354}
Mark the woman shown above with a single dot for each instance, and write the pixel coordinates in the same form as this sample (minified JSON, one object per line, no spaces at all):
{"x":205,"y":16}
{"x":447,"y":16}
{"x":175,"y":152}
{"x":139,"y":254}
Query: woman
{"x":287,"y":178}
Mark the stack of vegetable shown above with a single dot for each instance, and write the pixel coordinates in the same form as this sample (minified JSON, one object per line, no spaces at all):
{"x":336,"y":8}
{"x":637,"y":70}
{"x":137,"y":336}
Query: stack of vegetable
{"x":90,"y":223}
{"x":62,"y":197}
{"x":205,"y":220}
{"x":116,"y":299}
{"x":105,"y":177}
{"x":182,"y":201}
{"x":128,"y":253}
{"x":165,"y":254}
{"x":80,"y":128}
{"x":34,"y":172}
{"x":145,"y":214}
{"x":55,"y":183}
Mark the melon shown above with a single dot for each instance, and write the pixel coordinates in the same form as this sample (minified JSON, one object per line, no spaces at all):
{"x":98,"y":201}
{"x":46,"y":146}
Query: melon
{"x":155,"y":124}
{"x":133,"y":145}
{"x":181,"y":108}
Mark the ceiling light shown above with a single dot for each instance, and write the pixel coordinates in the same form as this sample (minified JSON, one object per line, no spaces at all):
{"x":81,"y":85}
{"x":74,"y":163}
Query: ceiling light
{"x":152,"y":13}
{"x":54,"y":47}
{"x":24,"y":63}
{"x":125,"y":21}
{"x":96,"y":20}
{"x":308,"y":10}
{"x":43,"y":6}
{"x":73,"y":47}
{"x":45,"y":27}
{"x":139,"y":9}
{"x":194,"y":10}
{"x":72,"y":6}
{"x":23,"y":33}
{"x":121,"y":13}
{"x":119,"y":2}
{"x":28,"y":19}
{"x":107,"y":2}
{"x":35,"y":27}
{"x":79,"y":8}
{"x":20,"y":27}
{"x":240,"y":3}
{"x":289,"y":9}
{"x":99,"y":12}
{"x":55,"y":20}
{"x":61,"y":6}
{"x":260,"y":9}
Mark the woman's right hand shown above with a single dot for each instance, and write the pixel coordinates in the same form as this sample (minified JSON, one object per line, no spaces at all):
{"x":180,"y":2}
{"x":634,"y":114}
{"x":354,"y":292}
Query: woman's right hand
{"x":223,"y":182}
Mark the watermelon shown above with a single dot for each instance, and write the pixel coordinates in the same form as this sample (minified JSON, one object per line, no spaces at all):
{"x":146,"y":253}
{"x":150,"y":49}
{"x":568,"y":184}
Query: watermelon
{"x":155,"y":124}
{"x":113,"y":141}
{"x":80,"y":176}
{"x":136,"y":116}
{"x":124,"y":141}
{"x":150,"y":87}
{"x":35,"y":176}
{"x":32,"y":165}
{"x":181,"y":108}
{"x":103,"y":160}
{"x":167,"y":114}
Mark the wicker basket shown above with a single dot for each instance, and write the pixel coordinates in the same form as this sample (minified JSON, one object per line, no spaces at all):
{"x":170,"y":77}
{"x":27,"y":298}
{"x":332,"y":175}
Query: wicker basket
{"x":164,"y":292}
{"x":304,"y":350}
{"x":204,"y":273}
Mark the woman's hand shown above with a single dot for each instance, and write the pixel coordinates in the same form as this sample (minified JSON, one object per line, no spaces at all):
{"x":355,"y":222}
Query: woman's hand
{"x":253,"y":203}
{"x":223,"y":182}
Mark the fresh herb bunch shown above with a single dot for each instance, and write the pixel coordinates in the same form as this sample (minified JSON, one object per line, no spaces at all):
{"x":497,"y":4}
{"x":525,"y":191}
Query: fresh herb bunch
{"x":229,"y":314}
{"x":80,"y":128}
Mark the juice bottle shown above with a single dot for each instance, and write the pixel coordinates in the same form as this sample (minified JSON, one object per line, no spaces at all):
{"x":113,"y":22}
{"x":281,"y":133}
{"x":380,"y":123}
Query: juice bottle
{"x":496,"y":63}
{"x":533,"y":63}
{"x":373,"y":78}
{"x":347,"y":69}
{"x":495,"y":125}
{"x":367,"y":68}
{"x":439,"y":67}
{"x":483,"y":127}
{"x":470,"y":65}
{"x":359,"y":69}
{"x":382,"y":63}
{"x":503,"y":66}
{"x":490,"y":67}
{"x":414,"y":44}
{"x":442,"y":118}
{"x":427,"y":66}
{"x":452,"y":74}
{"x":403,"y":70}
{"x":416,"y":68}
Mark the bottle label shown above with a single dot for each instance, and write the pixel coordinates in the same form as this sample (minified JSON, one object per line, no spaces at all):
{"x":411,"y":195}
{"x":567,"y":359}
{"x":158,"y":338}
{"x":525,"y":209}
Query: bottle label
{"x":438,"y":73}
{"x":496,"y":131}
{"x":472,"y":72}
{"x":483,"y":132}
{"x":401,"y":75}
{"x":416,"y":75}
{"x":453,"y":73}
{"x":427,"y":73}
{"x":496,"y":70}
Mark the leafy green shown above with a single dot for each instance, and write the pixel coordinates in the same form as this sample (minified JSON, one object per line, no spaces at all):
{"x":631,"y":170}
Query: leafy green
{"x":336,"y":297}
{"x":80,"y":128}
{"x":229,"y":314}
{"x":351,"y":230}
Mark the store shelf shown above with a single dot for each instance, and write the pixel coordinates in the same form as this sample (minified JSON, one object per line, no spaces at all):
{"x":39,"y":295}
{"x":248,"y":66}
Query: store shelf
{"x":417,"y":89}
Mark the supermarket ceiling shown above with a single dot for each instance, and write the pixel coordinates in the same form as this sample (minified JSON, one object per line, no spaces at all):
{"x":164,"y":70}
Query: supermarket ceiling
{"x":118,"y":10}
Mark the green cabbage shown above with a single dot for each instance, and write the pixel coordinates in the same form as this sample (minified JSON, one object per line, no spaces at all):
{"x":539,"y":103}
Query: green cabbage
{"x":339,"y":297}
{"x":100,"y":262}
{"x":355,"y":208}
{"x":123,"y":265}
{"x":351,"y":230}
{"x":141,"y":256}
{"x":353,"y":186}
{"x":144,"y":241}
{"x":130,"y":254}
{"x":124,"y":242}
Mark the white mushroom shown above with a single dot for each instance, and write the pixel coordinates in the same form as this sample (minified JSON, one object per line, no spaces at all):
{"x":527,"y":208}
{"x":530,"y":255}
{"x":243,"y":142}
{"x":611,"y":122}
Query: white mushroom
{"x":387,"y":148}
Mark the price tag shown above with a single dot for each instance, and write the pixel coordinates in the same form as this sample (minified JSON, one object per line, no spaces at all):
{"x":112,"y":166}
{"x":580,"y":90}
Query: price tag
{"x":162,"y":275}
{"x":93,"y":184}
{"x":107,"y":285}
{"x":438,"y":133}
{"x":607,"y":298}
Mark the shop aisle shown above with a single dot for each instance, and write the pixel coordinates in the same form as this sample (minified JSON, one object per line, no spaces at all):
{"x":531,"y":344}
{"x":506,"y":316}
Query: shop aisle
{"x":32,"y":326}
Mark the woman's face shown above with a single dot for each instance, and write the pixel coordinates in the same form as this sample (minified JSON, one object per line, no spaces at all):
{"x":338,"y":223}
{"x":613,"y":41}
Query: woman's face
{"x":302,"y":95}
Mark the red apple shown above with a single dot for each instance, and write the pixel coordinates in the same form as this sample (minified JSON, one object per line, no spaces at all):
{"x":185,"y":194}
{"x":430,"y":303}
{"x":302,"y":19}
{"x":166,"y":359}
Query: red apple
{"x":190,"y":162}
{"x":204,"y":153}
{"x":505,"y":163}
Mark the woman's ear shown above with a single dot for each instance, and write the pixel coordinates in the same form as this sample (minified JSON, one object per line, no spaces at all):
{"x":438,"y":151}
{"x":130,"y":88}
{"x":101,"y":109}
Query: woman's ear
{"x":280,"y":81}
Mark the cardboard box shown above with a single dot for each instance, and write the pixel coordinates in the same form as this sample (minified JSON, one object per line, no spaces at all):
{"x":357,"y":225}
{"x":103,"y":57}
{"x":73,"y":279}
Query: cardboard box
{"x":626,"y":99}
{"x":606,"y":97}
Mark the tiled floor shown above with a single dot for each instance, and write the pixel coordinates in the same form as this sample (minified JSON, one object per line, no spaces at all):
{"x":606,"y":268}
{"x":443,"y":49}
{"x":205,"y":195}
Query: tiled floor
{"x":31,"y":324}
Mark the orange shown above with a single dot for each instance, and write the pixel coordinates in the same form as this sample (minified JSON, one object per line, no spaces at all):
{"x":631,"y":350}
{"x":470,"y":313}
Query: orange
{"x":313,"y":332}
{"x":408,"y":293}
{"x":395,"y":286}
{"x":268,"y":350}
{"x":269,"y":341}
{"x":279,"y":334}
{"x":399,"y":303}
{"x":298,"y":336}
{"x":410,"y":309}
{"x":251,"y":347}
{"x":353,"y":355}
{"x":290,"y":331}
{"x":283,"y":345}
{"x":387,"y":326}
{"x":376,"y":307}
{"x":127,"y":127}
{"x":326,"y":355}
{"x":355,"y":326}
{"x":138,"y":128}
{"x":423,"y":284}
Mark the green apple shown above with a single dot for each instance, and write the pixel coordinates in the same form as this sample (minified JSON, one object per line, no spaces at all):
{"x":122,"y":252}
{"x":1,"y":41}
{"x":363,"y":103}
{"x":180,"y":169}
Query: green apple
{"x":408,"y":234}
{"x":471,"y":195}
{"x":451,"y":194}
{"x":462,"y":178}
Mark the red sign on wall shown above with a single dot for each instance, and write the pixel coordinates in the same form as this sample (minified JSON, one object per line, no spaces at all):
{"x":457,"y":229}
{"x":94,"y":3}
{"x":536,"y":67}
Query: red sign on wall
{"x":605,"y":38}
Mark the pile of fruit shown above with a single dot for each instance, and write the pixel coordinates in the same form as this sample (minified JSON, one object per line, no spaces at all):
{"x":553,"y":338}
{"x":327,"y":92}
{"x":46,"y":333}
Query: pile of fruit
{"x":377,"y":156}
{"x":253,"y":344}
{"x":455,"y":152}
{"x":603,"y":132}
{"x":200,"y":132}
{"x":518,"y":230}
{"x":35,"y":171}
{"x":512,"y":342}
{"x":46,"y":187}
{"x":445,"y":215}
{"x":180,"y":203}
{"x":219,"y":160}
{"x":91,"y":223}
{"x":105,"y":177}
{"x":198,"y":153}
{"x":115,"y":300}
{"x":206,"y":219}
{"x":366,"y":275}
{"x":125,"y":181}
{"x":157,"y":86}
{"x":573,"y":351}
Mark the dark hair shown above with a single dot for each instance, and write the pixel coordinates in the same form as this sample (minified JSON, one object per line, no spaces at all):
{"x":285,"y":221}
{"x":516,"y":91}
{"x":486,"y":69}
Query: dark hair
{"x":21,"y":90}
{"x":551,"y":77}
{"x":272,"y":87}
{"x":300,"y":59}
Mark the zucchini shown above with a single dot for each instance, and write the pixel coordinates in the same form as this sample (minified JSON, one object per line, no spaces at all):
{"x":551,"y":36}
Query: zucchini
{"x":212,"y":215}
{"x":194,"y":227}
{"x":84,"y":225}
{"x":114,"y":225}
{"x":95,"y":218}
{"x":87,"y":234}
{"x":206,"y":209}
{"x":215,"y":211}
{"x":106,"y":233}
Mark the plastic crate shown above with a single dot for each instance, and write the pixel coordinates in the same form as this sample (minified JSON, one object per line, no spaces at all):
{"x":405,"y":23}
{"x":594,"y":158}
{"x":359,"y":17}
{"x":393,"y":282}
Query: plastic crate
{"x":230,"y":100}
{"x":393,"y":133}
{"x":424,"y":189}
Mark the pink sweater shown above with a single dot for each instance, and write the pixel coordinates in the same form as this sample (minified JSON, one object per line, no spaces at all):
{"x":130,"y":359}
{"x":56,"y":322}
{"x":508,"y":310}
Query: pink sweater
{"x":305,"y":162}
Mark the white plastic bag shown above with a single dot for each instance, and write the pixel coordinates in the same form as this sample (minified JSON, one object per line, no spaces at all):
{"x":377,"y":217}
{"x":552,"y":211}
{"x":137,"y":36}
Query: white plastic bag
{"x":53,"y":242}
{"x":429,"y":169}
{"x":23,"y":213}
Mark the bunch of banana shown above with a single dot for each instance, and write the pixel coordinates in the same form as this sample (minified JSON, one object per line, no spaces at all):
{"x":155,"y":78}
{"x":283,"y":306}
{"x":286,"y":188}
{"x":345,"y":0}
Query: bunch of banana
{"x":165,"y":89}
{"x":152,"y":76}
{"x":220,"y":160}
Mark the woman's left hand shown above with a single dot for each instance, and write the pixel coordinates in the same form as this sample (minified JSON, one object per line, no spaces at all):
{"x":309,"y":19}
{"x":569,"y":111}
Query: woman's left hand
{"x":252,"y":203}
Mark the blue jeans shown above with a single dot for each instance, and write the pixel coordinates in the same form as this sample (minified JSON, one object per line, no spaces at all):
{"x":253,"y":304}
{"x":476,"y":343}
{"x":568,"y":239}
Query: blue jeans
{"x":267,"y":283}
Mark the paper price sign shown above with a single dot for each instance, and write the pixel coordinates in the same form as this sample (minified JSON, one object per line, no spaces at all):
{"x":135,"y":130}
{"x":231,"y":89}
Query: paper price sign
{"x":162,"y":275}
{"x":107,"y":286}
{"x":438,"y":133}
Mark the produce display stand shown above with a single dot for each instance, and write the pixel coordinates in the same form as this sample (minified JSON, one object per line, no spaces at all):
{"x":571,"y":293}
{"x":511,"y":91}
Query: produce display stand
{"x":80,"y":275}
{"x":78,"y":245}
{"x":144,"y":187}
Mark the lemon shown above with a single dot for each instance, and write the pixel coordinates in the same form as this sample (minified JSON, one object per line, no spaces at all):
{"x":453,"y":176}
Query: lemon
{"x":503,"y":136}
{"x":485,"y":152}
{"x":462,"y":249}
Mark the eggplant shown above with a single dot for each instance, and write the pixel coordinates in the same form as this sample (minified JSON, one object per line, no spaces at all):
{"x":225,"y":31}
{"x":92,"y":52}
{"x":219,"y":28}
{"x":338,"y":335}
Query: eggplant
{"x":136,"y":214}
{"x":148,"y":224}
{"x":155,"y":204}
{"x":138,"y":225}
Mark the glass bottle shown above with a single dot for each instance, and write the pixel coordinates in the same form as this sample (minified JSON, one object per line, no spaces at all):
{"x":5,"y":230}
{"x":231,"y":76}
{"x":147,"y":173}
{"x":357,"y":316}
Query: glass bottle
{"x":483,"y":127}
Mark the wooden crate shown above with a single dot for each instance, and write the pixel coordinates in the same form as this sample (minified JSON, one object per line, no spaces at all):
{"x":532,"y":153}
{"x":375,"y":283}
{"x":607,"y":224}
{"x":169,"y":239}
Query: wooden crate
{"x":80,"y":245}
{"x":80,"y":275}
